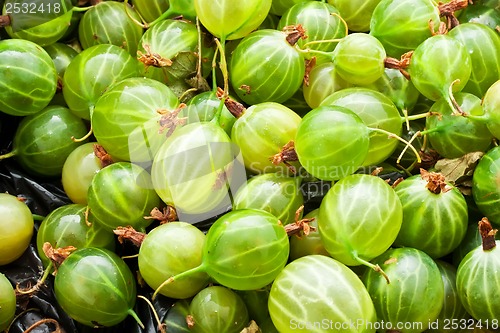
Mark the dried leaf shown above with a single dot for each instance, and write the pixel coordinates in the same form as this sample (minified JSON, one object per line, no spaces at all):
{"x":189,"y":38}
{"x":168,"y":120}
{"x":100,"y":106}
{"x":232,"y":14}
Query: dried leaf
{"x":459,"y":170}
{"x":252,"y":328}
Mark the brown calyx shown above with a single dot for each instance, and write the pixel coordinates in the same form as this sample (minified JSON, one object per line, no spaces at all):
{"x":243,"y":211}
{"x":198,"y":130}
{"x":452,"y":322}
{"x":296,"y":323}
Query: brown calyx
{"x":170,"y":120}
{"x":169,"y":214}
{"x":129,"y":234}
{"x":285,"y":156}
{"x":442,"y":28}
{"x":401,"y":64}
{"x":57,"y":255}
{"x":300,"y":226}
{"x":190,"y":321}
{"x":487,"y":234}
{"x":294,"y":33}
{"x":4,"y":20}
{"x":152,"y":59}
{"x":436,"y":182}
{"x":309,"y":66}
{"x":448,"y":10}
{"x":236,"y":108}
{"x":102,"y":155}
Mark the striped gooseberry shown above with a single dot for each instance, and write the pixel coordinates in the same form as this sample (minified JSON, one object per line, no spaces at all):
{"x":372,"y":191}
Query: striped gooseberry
{"x":245,"y":249}
{"x":95,"y":287}
{"x":170,"y":249}
{"x":356,"y":13}
{"x":256,"y":302}
{"x":415,"y":295}
{"x":121,"y":194}
{"x":402,"y":25}
{"x":78,"y":170}
{"x":359,"y":58}
{"x":25,"y":67}
{"x":110,"y":22}
{"x":453,"y":136}
{"x":483,"y":44}
{"x":271,"y":126}
{"x":229,"y":20}
{"x":38,"y":22}
{"x":7,"y":303}
{"x":42,"y":141}
{"x":195,"y":169}
{"x":217,"y":309}
{"x":430,"y":77}
{"x":442,"y":227}
{"x":61,"y":54}
{"x":452,"y":306}
{"x":485,"y":187}
{"x":275,"y":193}
{"x":157,"y":10}
{"x":315,"y":287}
{"x":258,"y":55}
{"x":477,"y":277}
{"x":321,"y":22}
{"x":127,"y":118}
{"x":16,"y":228}
{"x":66,"y":226}
{"x":376,"y":111}
{"x":342,"y":146}
{"x":91,"y":72}
{"x":279,"y":7}
{"x":359,"y":219}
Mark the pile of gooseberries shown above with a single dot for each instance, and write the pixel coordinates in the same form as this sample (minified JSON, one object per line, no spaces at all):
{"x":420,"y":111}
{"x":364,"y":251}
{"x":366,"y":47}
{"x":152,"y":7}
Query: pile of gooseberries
{"x":250,"y":166}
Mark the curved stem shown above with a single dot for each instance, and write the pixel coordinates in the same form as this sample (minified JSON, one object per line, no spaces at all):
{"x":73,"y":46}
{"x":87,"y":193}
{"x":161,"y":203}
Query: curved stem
{"x":81,"y":9}
{"x":343,"y":22}
{"x":8,"y":155}
{"x":376,"y":268}
{"x":161,"y":327}
{"x":39,"y":283}
{"x":182,"y":275}
{"x":163,"y":16}
{"x":416,"y":116}
{"x":225,"y":76}
{"x":83,"y":138}
{"x":134,"y":315}
{"x":450,"y":99}
{"x":313,"y":42}
{"x":392,"y":135}
{"x":309,"y":51}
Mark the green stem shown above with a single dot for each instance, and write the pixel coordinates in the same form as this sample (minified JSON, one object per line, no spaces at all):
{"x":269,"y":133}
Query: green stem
{"x":392,"y":135}
{"x":39,"y":283}
{"x":314,"y":42}
{"x":376,"y":268}
{"x":37,"y":217}
{"x":416,"y":116}
{"x":189,"y":272}
{"x":81,"y":9}
{"x":313,"y":52}
{"x":8,"y":155}
{"x":134,"y":315}
{"x":142,"y":24}
{"x":223,"y":67}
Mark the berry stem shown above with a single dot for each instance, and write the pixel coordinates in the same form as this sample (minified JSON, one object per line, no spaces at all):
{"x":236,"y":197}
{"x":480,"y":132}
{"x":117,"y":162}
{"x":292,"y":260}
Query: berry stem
{"x":392,"y":135}
{"x":134,"y":315}
{"x":189,"y":272}
{"x":376,"y":268}
{"x":8,"y":155}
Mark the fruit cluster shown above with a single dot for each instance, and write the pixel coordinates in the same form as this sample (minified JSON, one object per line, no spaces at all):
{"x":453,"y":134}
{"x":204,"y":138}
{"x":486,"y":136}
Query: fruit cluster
{"x":188,"y":138}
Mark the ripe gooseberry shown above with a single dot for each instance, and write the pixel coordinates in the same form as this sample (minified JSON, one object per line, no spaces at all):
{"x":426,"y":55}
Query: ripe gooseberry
{"x":42,"y":141}
{"x":170,"y":249}
{"x":127,"y":119}
{"x":434,"y":80}
{"x":315,"y":287}
{"x":477,"y":277}
{"x":359,"y":219}
{"x":442,"y":227}
{"x":357,"y":13}
{"x":244,"y":250}
{"x":485,"y":187}
{"x":121,"y":194}
{"x":217,"y":309}
{"x":95,"y":287}
{"x":25,"y":67}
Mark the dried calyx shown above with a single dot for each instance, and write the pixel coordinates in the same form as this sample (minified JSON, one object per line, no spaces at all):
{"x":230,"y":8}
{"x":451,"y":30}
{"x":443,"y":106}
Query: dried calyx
{"x":436,"y":182}
{"x":487,"y":234}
